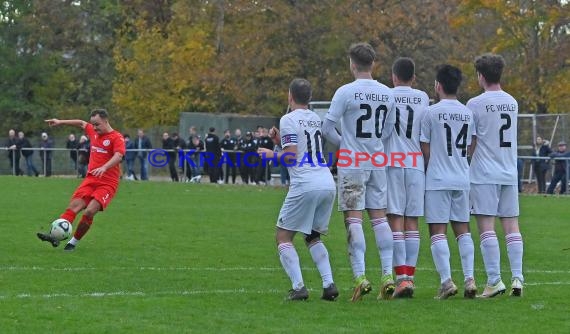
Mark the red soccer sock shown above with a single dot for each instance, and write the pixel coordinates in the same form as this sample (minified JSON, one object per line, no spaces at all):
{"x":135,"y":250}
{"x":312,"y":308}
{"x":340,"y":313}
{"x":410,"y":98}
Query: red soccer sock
{"x":401,"y":270}
{"x":68,"y":215}
{"x":83,"y":227}
{"x":410,"y":270}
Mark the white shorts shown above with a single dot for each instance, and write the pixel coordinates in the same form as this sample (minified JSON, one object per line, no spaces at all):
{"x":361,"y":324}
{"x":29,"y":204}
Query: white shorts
{"x":361,"y":189}
{"x":307,"y":211}
{"x":443,"y":206}
{"x":494,"y":200}
{"x":406,"y":189}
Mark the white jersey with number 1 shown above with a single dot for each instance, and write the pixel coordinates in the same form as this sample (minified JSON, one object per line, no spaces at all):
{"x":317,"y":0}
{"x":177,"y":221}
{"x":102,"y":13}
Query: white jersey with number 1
{"x":495,"y":158}
{"x":411,"y":105}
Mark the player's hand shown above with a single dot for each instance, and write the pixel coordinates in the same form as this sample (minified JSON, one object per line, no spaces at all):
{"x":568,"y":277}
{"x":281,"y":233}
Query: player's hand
{"x":264,"y":152}
{"x":98,"y":172}
{"x":275,"y":135}
{"x":53,"y":122}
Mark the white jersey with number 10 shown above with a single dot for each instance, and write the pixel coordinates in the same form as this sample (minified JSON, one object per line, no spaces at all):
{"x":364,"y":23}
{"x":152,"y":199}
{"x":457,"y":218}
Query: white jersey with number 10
{"x":302,"y":128}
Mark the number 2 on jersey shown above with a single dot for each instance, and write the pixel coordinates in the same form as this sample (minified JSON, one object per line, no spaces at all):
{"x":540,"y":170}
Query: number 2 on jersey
{"x":504,"y":127}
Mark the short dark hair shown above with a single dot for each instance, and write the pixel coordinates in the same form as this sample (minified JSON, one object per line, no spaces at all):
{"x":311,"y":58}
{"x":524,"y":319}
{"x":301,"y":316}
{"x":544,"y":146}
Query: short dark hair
{"x":362,"y":55}
{"x":404,"y":69}
{"x":490,"y":66}
{"x":101,"y":112}
{"x":126,"y":135}
{"x":212,"y":129}
{"x":301,"y":91}
{"x":449,"y":77}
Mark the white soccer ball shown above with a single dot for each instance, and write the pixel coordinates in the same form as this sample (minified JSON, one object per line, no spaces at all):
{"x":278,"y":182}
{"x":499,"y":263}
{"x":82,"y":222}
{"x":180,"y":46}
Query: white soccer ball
{"x":60,"y":229}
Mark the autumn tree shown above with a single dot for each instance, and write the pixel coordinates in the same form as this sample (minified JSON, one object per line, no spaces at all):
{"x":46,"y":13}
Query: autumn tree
{"x":160,"y":66}
{"x":534,"y":37}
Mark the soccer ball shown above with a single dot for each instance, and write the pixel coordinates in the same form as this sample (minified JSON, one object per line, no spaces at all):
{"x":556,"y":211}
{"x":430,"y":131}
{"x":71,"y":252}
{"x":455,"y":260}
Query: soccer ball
{"x":60,"y":229}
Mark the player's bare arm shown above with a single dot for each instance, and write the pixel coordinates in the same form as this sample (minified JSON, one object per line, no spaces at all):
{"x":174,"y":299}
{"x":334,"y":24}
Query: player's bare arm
{"x":117,"y":157}
{"x":425,"y":151}
{"x":289,"y":154}
{"x":275,"y":135}
{"x":330,"y":132}
{"x":471,"y":149}
{"x":73,"y":122}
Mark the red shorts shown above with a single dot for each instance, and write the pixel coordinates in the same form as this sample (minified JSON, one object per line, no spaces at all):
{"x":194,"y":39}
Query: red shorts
{"x":93,"y":188}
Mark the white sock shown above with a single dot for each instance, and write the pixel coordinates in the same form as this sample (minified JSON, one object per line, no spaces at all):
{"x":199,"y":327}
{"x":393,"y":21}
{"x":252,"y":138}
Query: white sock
{"x":412,"y":239}
{"x":440,"y":254}
{"x":320,"y":256}
{"x":399,"y":259}
{"x":467,"y":253}
{"x":290,"y":262}
{"x":356,"y":246}
{"x":384,"y":242}
{"x":491,"y":256}
{"x":515,"y":252}
{"x":73,"y":241}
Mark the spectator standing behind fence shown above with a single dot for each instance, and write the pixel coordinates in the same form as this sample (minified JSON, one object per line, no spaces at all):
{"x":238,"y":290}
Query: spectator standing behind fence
{"x":264,"y":142}
{"x":214,"y":155}
{"x":559,"y":169}
{"x":179,"y":144}
{"x":130,"y":156}
{"x":142,"y":143}
{"x":25,"y":143}
{"x":13,"y":146}
{"x":250,"y":159}
{"x":239,"y":144}
{"x":541,"y":149}
{"x":229,"y":144}
{"x":83,"y":151}
{"x":170,"y":148}
{"x":193,"y":171}
{"x":46,"y":153}
{"x":72,"y":145}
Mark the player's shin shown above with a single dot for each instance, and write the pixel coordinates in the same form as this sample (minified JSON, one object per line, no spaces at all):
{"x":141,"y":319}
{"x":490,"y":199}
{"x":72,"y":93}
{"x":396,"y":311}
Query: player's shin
{"x":320,"y":256}
{"x":290,"y":262}
{"x":384,"y":242}
{"x":467,"y":253}
{"x":356,"y":245}
{"x":491,"y":256}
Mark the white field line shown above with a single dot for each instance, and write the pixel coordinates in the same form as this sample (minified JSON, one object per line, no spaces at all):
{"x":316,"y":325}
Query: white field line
{"x":220,"y":269}
{"x":107,"y":294}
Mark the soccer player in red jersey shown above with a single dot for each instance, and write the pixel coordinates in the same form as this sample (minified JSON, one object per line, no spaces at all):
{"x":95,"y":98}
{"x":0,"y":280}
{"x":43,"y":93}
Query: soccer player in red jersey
{"x":98,"y":188}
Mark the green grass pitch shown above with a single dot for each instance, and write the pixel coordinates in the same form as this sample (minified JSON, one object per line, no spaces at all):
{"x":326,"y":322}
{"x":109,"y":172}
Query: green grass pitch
{"x":201,"y":258}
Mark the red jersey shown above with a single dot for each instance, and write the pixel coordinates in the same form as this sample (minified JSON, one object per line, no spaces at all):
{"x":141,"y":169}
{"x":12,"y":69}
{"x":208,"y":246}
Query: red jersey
{"x":103,"y":147}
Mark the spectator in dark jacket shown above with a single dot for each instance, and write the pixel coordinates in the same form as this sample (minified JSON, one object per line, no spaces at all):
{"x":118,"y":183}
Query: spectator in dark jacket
{"x":142,"y":143}
{"x":541,"y":149}
{"x":130,"y":156}
{"x":46,"y":153}
{"x":13,"y":146}
{"x":25,"y":144}
{"x":214,"y":154}
{"x":560,"y":169}
{"x":169,"y":146}
{"x":72,"y":145}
